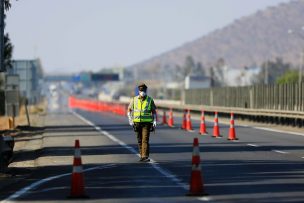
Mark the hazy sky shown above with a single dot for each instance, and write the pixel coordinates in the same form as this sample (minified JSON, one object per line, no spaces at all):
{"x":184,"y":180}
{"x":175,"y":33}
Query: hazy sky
{"x":73,"y":35}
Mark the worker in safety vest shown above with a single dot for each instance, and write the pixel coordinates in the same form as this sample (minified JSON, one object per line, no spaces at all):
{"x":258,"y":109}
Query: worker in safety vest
{"x":142,"y":116}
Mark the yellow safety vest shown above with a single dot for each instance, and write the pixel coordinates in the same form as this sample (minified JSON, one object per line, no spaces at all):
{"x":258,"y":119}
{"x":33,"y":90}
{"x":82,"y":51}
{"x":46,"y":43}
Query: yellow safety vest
{"x":142,"y":110}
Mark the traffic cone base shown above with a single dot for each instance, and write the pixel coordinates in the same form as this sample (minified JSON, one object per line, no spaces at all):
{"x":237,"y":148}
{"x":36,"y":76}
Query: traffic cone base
{"x":188,"y":122}
{"x":171,"y":119}
{"x":233,"y":139}
{"x":232,"y":134}
{"x":216,"y":132}
{"x":197,"y":194}
{"x":77,"y":179}
{"x":77,"y":189}
{"x":203,"y":130}
{"x":164,"y":122}
{"x":216,"y":128}
{"x":196,"y":182}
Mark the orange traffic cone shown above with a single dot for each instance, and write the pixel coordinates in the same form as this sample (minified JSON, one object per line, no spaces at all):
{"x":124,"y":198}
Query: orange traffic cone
{"x":164,"y":118}
{"x":203,"y":130}
{"x":77,"y":183}
{"x":171,"y":120}
{"x":232,"y":135}
{"x":188,"y":121}
{"x":184,"y":123}
{"x":196,"y":180}
{"x":216,"y":128}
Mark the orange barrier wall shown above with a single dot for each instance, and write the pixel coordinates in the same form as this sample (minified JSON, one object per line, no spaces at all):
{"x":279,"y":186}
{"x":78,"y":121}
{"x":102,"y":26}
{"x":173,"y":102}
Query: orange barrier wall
{"x":95,"y":106}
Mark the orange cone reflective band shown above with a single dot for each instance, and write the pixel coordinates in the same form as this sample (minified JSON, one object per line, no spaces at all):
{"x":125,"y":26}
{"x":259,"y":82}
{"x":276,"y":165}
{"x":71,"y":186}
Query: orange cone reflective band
{"x":216,"y":129}
{"x":196,"y":179}
{"x":232,"y":135}
{"x":188,"y":123}
{"x":184,"y":123}
{"x":203,"y":129}
{"x":164,"y":118}
{"x":77,"y":183}
{"x":171,"y":121}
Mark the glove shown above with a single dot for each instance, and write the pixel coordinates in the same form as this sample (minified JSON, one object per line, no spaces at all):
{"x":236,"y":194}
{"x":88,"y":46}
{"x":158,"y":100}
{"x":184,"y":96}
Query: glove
{"x":154,"y":123}
{"x":130,"y":119}
{"x":131,"y":122}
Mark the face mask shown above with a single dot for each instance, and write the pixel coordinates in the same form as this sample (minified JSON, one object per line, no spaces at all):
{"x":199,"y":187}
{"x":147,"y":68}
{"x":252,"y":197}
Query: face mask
{"x":142,"y":94}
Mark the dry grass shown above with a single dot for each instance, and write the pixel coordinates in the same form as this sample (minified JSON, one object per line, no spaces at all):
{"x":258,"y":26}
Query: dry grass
{"x":34,"y":112}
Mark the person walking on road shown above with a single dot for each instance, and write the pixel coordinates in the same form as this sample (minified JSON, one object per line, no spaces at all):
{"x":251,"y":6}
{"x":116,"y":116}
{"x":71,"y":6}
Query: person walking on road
{"x":142,"y":117}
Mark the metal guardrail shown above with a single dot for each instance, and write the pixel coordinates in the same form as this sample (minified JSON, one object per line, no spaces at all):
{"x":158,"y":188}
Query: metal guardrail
{"x":228,"y":110}
{"x":280,"y":104}
{"x":280,"y":117}
{"x":283,"y":98}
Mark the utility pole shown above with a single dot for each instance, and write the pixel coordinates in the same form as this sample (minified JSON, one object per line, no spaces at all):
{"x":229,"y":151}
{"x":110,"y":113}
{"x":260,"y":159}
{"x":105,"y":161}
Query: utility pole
{"x":301,"y":67}
{"x":266,"y":76}
{"x":301,"y":36}
{"x":2,"y":69}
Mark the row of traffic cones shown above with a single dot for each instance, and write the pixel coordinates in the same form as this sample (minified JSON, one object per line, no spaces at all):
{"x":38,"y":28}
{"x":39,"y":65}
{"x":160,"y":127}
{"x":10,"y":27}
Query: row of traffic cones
{"x":196,"y":180}
{"x":187,"y":124}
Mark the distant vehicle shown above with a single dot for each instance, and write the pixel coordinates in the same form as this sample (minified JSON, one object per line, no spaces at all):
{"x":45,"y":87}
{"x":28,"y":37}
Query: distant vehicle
{"x":52,"y":87}
{"x":53,"y":90}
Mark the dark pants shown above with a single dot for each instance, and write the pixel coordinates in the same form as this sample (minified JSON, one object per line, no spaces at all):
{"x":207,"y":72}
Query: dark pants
{"x":143,"y":134}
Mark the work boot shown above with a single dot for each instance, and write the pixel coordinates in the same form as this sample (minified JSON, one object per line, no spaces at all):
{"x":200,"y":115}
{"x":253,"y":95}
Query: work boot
{"x":145,"y":159}
{"x":141,"y":159}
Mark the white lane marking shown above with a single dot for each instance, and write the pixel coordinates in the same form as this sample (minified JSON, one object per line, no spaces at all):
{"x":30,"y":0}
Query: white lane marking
{"x":204,"y":198}
{"x":253,"y":145}
{"x":97,"y":128}
{"x":281,"y":152}
{"x":34,"y":185}
{"x":278,"y":131}
{"x":152,"y":162}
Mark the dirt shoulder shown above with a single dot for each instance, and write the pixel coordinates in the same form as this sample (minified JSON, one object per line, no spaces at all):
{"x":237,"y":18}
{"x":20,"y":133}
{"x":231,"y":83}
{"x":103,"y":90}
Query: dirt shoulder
{"x":27,"y":143}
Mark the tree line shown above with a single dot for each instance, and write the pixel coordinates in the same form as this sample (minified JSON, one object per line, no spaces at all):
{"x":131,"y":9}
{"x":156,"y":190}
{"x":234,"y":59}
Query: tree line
{"x":8,"y":46}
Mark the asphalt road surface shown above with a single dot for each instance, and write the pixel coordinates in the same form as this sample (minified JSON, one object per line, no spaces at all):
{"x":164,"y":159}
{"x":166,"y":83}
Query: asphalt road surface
{"x":262,"y":166}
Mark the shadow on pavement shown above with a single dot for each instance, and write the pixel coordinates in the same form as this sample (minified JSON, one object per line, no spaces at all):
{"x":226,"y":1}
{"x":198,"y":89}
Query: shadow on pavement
{"x":140,"y":180}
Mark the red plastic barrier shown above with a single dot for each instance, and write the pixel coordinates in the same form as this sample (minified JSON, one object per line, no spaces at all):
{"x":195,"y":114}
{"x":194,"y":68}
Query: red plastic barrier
{"x":95,"y":106}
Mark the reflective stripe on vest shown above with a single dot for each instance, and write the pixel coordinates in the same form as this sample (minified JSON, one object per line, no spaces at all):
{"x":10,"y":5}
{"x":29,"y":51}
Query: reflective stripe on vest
{"x":142,"y":110}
